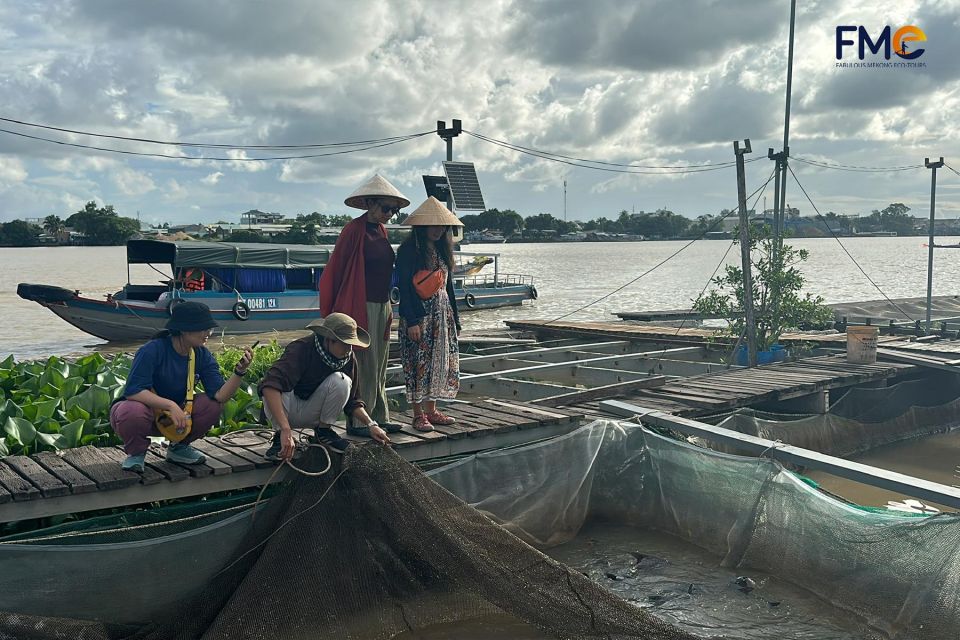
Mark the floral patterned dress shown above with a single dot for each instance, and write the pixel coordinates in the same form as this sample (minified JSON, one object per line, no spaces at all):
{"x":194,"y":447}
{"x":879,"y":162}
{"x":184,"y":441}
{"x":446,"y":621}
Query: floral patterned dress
{"x":431,"y":367}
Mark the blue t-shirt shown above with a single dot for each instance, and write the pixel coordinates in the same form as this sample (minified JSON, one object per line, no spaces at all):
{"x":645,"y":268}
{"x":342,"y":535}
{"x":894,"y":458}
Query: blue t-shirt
{"x":158,"y":366}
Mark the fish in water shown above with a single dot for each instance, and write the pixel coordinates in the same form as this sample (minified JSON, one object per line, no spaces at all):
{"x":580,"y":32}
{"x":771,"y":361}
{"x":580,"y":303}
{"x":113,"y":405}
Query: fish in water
{"x":612,"y":576}
{"x":644,"y":561}
{"x":745,"y":584}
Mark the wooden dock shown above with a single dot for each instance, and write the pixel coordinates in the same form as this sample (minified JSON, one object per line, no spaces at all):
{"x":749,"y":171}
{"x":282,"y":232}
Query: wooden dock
{"x":682,"y":335}
{"x":809,"y":379}
{"x":90,"y":478}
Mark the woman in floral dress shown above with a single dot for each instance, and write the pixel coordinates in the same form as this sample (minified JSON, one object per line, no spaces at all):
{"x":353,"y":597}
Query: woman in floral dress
{"x":429,"y":322}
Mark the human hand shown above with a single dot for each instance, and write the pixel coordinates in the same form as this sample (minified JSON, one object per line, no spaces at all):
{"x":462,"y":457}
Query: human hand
{"x":287,"y":444}
{"x":414,"y":333}
{"x":378,"y":434}
{"x":244,"y":362}
{"x":178,"y":415}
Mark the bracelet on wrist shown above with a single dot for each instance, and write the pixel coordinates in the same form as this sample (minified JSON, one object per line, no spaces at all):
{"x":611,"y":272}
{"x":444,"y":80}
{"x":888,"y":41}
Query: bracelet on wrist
{"x":237,"y":372}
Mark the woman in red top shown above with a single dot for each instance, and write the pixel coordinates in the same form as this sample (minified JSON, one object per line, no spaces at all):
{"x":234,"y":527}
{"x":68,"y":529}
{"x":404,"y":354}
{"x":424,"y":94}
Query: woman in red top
{"x":356,"y":281}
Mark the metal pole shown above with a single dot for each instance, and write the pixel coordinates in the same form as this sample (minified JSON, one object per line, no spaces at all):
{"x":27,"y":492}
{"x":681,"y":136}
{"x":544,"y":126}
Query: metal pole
{"x":933,"y":200}
{"x":565,"y":201}
{"x":778,"y":220}
{"x":745,"y":252}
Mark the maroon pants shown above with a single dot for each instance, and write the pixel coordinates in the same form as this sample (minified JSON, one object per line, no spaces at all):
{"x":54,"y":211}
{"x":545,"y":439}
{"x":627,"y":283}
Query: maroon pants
{"x":133,"y":421}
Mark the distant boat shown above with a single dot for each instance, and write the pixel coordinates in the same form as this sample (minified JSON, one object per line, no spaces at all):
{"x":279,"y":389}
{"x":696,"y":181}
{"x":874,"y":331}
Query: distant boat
{"x":874,"y":234}
{"x":249,"y":287}
{"x":492,"y":237}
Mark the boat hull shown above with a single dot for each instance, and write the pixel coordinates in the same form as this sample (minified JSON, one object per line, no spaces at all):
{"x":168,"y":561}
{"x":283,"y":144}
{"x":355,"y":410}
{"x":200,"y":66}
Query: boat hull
{"x":120,"y":320}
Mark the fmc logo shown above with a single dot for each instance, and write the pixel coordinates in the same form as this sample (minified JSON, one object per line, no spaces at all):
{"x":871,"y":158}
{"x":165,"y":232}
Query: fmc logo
{"x":901,"y":43}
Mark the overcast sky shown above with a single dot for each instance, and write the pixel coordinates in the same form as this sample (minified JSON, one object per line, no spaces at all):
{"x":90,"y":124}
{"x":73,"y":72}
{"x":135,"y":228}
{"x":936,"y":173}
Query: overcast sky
{"x":647,"y":83}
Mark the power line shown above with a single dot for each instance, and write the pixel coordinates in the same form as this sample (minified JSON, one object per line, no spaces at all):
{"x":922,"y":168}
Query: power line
{"x":206,"y":145}
{"x":849,"y":255}
{"x":212,"y":158}
{"x":712,"y":226}
{"x":608,"y":166}
{"x":856,"y":168}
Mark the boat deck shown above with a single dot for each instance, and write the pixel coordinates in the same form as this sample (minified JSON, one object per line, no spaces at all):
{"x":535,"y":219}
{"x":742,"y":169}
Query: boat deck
{"x":90,"y":478}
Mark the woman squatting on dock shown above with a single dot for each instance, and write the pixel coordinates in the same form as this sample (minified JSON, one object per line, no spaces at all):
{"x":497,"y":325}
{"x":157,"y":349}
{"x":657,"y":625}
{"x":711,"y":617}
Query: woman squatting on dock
{"x":159,"y":396}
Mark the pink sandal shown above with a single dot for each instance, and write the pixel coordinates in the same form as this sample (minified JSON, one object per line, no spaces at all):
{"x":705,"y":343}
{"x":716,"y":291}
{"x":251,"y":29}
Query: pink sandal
{"x":439,"y":418}
{"x":422,"y":423}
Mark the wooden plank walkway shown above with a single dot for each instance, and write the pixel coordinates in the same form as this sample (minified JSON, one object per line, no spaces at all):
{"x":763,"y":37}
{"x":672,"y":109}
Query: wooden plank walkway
{"x":89,"y":478}
{"x":727,"y":390}
{"x":626,"y":331}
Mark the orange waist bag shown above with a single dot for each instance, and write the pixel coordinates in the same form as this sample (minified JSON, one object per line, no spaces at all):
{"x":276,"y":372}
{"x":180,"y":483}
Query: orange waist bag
{"x":427,"y":283}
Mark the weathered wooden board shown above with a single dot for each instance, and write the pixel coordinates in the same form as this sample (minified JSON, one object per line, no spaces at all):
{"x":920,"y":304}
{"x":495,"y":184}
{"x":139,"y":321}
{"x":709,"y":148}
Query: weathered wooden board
{"x":48,"y":484}
{"x":100,"y":468}
{"x":67,"y":473}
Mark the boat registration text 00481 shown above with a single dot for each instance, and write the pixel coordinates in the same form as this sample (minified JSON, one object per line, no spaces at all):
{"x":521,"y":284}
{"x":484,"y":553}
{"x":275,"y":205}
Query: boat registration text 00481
{"x":261,"y":303}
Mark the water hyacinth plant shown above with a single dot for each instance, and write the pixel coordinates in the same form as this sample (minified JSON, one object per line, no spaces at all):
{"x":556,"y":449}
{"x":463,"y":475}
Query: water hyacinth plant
{"x":64,"y":403}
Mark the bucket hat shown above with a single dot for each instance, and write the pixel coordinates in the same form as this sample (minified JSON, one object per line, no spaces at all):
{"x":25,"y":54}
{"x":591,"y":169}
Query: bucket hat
{"x":375,"y":187}
{"x":432,"y":213}
{"x":191,"y":316}
{"x":342,"y":327}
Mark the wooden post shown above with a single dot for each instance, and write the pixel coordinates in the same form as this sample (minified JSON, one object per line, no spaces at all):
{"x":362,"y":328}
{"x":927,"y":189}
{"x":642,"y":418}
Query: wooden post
{"x":745,"y":252}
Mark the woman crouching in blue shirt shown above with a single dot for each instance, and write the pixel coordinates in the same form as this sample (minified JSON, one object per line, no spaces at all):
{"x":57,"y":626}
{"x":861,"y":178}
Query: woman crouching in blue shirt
{"x":156,"y":389}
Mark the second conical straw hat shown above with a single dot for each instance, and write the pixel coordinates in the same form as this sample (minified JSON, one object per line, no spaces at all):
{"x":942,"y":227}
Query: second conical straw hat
{"x":432,"y":213}
{"x":375,"y":187}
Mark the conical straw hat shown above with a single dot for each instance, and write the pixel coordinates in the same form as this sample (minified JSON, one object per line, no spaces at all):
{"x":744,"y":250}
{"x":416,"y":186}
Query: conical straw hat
{"x":432,"y":213}
{"x":375,"y":187}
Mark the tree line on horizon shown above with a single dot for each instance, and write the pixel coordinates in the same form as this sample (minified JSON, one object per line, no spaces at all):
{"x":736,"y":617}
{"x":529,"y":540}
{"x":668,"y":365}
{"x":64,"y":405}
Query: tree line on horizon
{"x":103,"y":226}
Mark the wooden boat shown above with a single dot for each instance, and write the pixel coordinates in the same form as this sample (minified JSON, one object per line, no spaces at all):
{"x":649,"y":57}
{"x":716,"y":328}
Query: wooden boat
{"x":249,"y":287}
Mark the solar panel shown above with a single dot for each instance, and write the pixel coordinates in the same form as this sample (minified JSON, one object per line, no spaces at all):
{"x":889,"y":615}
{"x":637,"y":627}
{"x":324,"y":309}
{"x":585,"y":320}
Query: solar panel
{"x":437,"y":187}
{"x":462,"y":178}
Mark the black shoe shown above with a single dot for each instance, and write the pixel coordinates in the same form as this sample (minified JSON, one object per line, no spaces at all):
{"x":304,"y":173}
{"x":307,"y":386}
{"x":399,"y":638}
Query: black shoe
{"x":273,"y":451}
{"x":329,"y":438}
{"x":391,"y":427}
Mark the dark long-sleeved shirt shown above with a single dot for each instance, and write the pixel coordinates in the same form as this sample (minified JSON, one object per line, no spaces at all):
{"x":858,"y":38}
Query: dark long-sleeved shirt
{"x":301,"y":369}
{"x":411,"y":305}
{"x":377,"y":264}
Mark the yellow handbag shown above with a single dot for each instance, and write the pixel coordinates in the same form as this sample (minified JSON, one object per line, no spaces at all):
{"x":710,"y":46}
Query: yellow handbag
{"x":164,"y":421}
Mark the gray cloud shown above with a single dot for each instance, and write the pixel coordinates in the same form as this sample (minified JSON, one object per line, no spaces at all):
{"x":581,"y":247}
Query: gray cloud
{"x":647,"y":36}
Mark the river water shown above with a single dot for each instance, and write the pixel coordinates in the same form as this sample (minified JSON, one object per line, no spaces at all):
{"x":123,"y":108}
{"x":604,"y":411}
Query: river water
{"x":568,"y":276}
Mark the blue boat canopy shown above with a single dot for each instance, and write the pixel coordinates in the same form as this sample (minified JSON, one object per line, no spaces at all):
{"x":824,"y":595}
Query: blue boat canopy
{"x":227,"y":254}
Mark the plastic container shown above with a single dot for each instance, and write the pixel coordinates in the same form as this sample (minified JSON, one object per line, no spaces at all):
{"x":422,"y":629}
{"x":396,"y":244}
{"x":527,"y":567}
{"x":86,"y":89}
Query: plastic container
{"x":776,"y":353}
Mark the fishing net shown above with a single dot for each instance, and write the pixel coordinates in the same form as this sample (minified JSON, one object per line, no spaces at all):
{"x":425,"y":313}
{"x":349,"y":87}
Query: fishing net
{"x":899,"y":574}
{"x":861,"y":420}
{"x":371,"y":549}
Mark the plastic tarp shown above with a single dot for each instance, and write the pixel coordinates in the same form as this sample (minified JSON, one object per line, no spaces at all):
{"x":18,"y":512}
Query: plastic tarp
{"x":227,"y":254}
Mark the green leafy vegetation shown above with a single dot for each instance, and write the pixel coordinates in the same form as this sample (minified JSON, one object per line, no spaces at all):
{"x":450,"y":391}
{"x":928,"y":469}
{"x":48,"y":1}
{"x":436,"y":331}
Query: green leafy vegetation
{"x":62,"y":403}
{"x":779,"y":303}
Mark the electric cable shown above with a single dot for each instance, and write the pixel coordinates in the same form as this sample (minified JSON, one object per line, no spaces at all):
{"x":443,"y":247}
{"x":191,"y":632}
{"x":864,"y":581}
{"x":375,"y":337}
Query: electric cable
{"x":610,"y":166}
{"x":211,"y":158}
{"x":842,"y":246}
{"x":712,"y":226}
{"x":851,"y":167}
{"x":206,"y":145}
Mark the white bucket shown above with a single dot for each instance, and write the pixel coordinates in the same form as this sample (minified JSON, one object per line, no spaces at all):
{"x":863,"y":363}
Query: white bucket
{"x":862,"y":344}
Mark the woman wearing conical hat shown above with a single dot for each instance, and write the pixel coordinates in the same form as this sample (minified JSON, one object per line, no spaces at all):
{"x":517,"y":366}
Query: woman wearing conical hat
{"x":429,"y":322}
{"x":356,"y":281}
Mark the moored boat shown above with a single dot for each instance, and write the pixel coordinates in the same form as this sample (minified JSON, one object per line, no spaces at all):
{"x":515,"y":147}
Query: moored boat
{"x":249,"y":287}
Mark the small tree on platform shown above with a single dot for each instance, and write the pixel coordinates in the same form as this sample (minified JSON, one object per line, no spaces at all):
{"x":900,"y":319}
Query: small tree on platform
{"x":779,"y":303}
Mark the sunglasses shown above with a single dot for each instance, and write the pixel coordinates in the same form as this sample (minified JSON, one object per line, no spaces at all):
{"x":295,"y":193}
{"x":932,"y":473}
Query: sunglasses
{"x":385,"y":208}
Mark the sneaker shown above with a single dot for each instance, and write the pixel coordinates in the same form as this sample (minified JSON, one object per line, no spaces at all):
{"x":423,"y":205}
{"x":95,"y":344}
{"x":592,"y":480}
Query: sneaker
{"x":184,"y":454}
{"x":391,"y":427}
{"x":273,"y":451}
{"x":329,"y":438}
{"x":134,"y":463}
